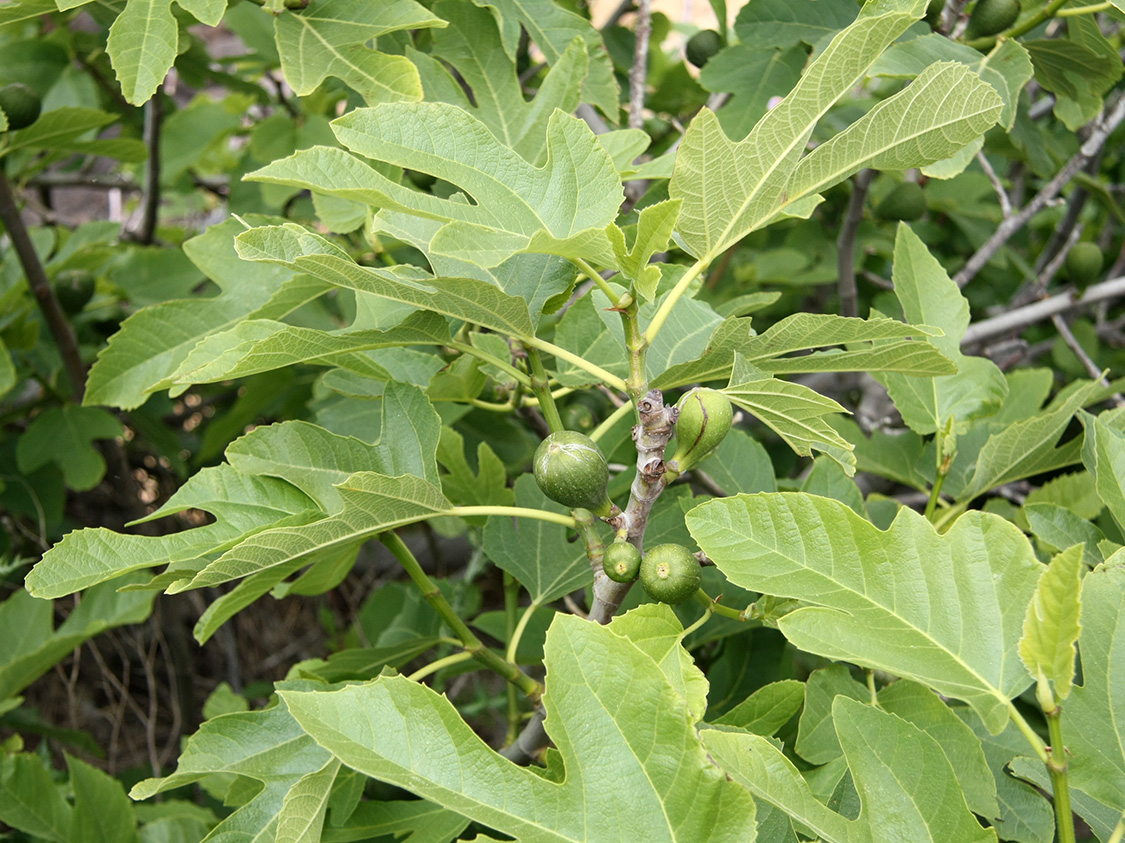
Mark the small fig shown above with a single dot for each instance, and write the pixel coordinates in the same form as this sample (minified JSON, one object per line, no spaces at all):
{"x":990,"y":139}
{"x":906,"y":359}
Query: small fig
{"x":704,"y":421}
{"x":622,"y":562}
{"x":571,"y":470}
{"x":906,"y":203}
{"x":670,"y":573}
{"x":702,"y":46}
{"x":990,"y":17}
{"x":20,"y":104}
{"x":1084,"y":264}
{"x":74,"y":288}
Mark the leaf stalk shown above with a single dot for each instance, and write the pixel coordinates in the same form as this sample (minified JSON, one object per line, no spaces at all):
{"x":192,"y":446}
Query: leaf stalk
{"x":473,"y":645}
{"x":541,"y":387}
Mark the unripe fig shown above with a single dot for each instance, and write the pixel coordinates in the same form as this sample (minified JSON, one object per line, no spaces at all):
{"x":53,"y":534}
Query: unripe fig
{"x":621,"y":562}
{"x":702,"y":46}
{"x":579,"y":417}
{"x":933,"y":12}
{"x":571,"y":470}
{"x":74,"y":288}
{"x":670,"y":573}
{"x":20,"y":104}
{"x":1084,"y":264}
{"x":704,"y":421}
{"x":991,"y":16}
{"x":905,"y":203}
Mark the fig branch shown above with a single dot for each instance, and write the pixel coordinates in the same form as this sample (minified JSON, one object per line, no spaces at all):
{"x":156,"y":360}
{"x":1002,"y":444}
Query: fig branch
{"x":57,"y":324}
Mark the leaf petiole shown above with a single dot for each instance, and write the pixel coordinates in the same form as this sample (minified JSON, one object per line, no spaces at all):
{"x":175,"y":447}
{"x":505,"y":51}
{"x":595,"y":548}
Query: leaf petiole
{"x":513,"y":511}
{"x":670,"y":300}
{"x":577,"y":360}
{"x":434,"y":666}
{"x":514,"y":641}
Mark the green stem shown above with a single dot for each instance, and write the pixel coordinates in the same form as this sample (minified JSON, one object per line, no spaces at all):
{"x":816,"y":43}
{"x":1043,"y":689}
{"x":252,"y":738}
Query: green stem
{"x":577,"y":360}
{"x":1032,"y":736}
{"x":871,"y":687}
{"x":511,"y":604}
{"x":491,"y":406}
{"x":507,"y":368}
{"x":614,"y":417}
{"x":541,"y":386}
{"x":677,"y":293}
{"x":949,"y":514}
{"x":637,"y":344}
{"x":1084,"y":10}
{"x":586,"y":524}
{"x":473,"y":645}
{"x":517,"y":633}
{"x":1060,"y":783}
{"x":715,"y":607}
{"x":1048,"y":11}
{"x":596,"y":277}
{"x":434,"y":666}
{"x":706,"y":616}
{"x":935,"y":494}
{"x":513,"y":511}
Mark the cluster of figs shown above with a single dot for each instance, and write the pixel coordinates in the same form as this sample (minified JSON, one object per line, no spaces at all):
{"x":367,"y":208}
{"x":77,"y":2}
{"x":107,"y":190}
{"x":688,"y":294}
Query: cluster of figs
{"x":571,"y":470}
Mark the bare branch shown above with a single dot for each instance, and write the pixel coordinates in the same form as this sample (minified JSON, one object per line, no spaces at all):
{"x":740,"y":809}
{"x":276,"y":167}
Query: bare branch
{"x":57,"y":323}
{"x":150,"y":199}
{"x":1020,"y":318}
{"x":1001,"y":193}
{"x":1079,"y":352}
{"x":1101,"y":132}
{"x":639,"y":71}
{"x":845,"y":245}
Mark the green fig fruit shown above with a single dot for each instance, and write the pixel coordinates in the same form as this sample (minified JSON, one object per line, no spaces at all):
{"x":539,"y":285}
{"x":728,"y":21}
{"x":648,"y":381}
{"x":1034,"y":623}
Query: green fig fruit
{"x":990,"y":17}
{"x":933,"y":12}
{"x":704,"y":421}
{"x":20,"y":104}
{"x":74,"y":288}
{"x":571,"y":470}
{"x":670,"y":573}
{"x":907,"y":202}
{"x":1084,"y":264}
{"x":622,"y":562}
{"x":702,"y":46}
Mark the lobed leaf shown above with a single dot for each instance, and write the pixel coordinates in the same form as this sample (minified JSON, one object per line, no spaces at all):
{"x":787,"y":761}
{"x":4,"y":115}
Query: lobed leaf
{"x":928,"y":296}
{"x":943,"y":610}
{"x":630,"y":762}
{"x":560,"y":208}
{"x":730,"y":189}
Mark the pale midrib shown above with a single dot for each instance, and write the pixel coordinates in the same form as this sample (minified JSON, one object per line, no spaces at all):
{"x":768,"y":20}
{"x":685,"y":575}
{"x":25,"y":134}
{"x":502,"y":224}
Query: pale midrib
{"x":985,"y":684}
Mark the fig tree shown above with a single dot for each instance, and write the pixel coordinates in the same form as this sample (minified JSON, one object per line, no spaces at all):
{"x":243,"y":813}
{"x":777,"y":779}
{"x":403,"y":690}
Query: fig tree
{"x":670,"y":573}
{"x":571,"y":470}
{"x":621,"y":562}
{"x":704,"y":420}
{"x":20,"y":104}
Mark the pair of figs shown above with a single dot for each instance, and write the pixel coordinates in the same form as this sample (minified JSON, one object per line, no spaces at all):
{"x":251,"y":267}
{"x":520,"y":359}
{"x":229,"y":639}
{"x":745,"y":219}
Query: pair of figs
{"x":669,"y":573}
{"x":571,"y":469}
